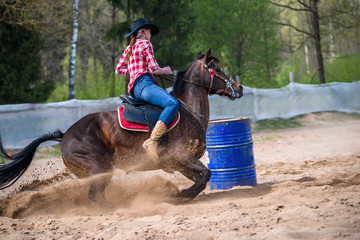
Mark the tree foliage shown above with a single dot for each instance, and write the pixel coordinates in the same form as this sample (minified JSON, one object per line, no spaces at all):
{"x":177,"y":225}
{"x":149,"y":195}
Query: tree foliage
{"x":18,"y":12}
{"x":340,"y":36}
{"x":311,"y":9}
{"x":173,"y":43}
{"x":43,"y":25}
{"x":242,"y":33}
{"x":20,"y":66}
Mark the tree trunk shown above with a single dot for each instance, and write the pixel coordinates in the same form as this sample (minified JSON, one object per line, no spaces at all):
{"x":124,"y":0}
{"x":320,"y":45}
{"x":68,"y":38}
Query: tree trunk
{"x":266,"y":49}
{"x":316,"y":28}
{"x":112,"y":87}
{"x":332,"y":53}
{"x":92,"y":42}
{"x":239,"y":53}
{"x":127,"y":79}
{"x":73,"y":50}
{"x":306,"y":58}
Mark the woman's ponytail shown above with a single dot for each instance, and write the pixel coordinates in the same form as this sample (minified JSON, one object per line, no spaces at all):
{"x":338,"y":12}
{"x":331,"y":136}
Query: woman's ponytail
{"x":132,"y":43}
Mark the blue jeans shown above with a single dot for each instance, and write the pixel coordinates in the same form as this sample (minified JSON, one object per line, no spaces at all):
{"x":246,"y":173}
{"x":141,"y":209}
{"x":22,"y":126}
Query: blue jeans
{"x":145,"y":90}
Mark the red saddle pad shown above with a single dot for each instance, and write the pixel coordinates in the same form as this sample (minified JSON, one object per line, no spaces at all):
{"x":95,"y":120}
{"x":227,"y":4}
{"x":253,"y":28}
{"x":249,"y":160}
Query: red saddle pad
{"x":132,"y":126}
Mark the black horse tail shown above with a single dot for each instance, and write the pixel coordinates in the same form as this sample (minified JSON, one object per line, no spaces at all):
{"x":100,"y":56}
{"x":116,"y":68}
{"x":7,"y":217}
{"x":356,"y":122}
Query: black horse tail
{"x":11,"y":172}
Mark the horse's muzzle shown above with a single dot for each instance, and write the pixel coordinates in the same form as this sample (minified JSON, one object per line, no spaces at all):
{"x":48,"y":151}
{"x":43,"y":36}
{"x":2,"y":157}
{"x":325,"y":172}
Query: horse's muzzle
{"x":238,"y":91}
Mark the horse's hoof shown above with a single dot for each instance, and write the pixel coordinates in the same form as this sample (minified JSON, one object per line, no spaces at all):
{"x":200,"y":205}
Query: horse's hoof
{"x":186,"y":194}
{"x":106,"y":205}
{"x":102,"y":203}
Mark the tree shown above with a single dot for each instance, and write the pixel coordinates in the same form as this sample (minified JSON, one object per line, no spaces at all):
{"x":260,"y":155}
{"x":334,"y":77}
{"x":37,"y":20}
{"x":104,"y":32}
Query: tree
{"x":343,"y":19}
{"x":243,"y":34}
{"x":112,"y":35}
{"x":54,"y":23}
{"x":20,"y":66}
{"x":95,"y":62}
{"x":18,"y":12}
{"x":73,"y":50}
{"x":49,"y":20}
{"x":173,"y":44}
{"x":314,"y":32}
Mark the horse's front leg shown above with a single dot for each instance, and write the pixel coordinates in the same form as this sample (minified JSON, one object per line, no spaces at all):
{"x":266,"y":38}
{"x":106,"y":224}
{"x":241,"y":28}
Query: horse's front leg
{"x":195,"y":170}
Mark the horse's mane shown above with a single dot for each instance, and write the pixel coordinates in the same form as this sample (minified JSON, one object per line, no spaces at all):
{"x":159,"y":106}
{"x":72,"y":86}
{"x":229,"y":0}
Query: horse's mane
{"x":178,"y":83}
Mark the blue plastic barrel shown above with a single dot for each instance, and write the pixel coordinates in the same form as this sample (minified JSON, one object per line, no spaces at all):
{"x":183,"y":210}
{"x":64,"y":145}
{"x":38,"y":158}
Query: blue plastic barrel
{"x":230,"y":153}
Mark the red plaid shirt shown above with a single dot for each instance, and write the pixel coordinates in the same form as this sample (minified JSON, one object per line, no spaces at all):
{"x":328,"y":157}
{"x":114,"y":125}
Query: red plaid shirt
{"x":142,"y":61}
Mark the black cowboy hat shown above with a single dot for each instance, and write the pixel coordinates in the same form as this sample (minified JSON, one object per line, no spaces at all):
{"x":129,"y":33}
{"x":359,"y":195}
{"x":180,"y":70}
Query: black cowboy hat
{"x":143,"y":23}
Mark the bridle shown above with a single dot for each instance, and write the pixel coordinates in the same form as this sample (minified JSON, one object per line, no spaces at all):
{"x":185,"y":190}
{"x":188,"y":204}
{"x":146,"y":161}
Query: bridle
{"x":213,"y":74}
{"x":228,"y":82}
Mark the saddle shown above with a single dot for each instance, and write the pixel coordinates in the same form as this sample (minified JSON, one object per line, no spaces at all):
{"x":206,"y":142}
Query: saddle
{"x":140,"y":116}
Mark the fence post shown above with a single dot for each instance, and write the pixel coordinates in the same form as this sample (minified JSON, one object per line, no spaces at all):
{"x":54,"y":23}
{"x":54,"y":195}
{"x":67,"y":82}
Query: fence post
{"x":237,"y":78}
{"x":291,"y":76}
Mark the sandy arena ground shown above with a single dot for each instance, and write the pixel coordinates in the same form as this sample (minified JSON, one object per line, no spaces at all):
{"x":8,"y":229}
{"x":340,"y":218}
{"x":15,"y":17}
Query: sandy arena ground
{"x":308,"y":188}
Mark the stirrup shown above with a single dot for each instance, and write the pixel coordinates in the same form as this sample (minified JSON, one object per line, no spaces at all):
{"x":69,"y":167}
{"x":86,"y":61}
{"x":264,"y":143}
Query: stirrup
{"x":149,"y":140}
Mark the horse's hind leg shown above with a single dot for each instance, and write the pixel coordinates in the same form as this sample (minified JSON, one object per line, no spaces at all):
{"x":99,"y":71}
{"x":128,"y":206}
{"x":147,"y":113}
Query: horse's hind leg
{"x":196,"y":171}
{"x":97,"y":188}
{"x":90,"y":166}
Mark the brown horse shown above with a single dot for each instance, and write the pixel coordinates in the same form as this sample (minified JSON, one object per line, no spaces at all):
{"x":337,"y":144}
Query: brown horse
{"x":96,"y":144}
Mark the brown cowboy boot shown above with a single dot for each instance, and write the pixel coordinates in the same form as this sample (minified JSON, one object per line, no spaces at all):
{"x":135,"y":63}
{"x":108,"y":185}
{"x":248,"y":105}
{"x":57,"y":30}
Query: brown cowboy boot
{"x":151,"y":144}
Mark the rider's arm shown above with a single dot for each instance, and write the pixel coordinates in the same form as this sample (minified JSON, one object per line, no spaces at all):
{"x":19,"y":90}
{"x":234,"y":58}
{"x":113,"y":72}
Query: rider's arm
{"x":154,"y":66}
{"x":164,"y":70}
{"x":122,"y":67}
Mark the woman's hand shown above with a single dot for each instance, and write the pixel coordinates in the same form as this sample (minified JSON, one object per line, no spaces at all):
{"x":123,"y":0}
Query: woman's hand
{"x":165,"y":70}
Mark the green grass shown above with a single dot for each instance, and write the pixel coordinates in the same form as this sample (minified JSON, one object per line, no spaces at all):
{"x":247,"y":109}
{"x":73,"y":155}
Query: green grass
{"x":42,"y":152}
{"x":276,"y":124}
{"x":298,"y":121}
{"x":9,"y":151}
{"x":53,"y":151}
{"x":340,"y":115}
{"x":4,"y":161}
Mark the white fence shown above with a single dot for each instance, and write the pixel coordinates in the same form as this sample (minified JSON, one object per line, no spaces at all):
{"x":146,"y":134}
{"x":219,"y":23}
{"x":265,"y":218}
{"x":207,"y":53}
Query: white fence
{"x":22,"y":123}
{"x":293,"y":100}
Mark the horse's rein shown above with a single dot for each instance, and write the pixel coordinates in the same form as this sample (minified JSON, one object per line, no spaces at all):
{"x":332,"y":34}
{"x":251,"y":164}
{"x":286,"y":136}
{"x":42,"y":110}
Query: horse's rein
{"x":212,"y":74}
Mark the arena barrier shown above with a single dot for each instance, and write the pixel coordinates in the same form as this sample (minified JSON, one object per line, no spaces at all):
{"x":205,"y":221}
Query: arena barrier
{"x":22,"y":123}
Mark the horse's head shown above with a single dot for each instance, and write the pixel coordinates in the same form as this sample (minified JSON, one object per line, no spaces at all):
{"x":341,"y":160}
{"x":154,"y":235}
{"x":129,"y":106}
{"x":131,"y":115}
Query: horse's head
{"x":216,"y":80}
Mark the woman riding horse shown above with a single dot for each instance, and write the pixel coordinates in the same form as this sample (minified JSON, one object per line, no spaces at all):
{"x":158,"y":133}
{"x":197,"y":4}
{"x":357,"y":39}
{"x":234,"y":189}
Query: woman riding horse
{"x":139,"y":62}
{"x":97,"y":144}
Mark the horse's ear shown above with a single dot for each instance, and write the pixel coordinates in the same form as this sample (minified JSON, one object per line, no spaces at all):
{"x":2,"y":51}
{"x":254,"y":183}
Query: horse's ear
{"x":208,"y":54}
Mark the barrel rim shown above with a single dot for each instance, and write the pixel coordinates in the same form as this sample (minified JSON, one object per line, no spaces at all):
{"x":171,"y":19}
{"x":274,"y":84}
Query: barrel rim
{"x":236,"y":169}
{"x":228,"y":119}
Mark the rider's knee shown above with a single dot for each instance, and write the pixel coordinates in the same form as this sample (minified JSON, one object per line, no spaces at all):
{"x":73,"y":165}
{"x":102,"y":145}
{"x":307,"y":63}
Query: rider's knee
{"x":174,"y":104}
